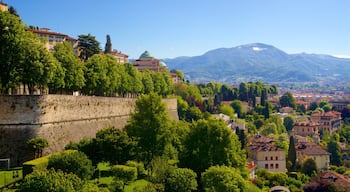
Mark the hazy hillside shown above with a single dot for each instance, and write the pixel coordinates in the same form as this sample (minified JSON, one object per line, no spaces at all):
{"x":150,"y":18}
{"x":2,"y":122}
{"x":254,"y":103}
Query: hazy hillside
{"x":259,"y":61}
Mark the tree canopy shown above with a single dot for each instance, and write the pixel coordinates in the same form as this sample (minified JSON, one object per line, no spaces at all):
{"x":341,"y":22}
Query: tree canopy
{"x":210,"y":143}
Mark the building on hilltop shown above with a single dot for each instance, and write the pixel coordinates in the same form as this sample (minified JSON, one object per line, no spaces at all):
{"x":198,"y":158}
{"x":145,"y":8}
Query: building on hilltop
{"x":53,"y":38}
{"x":266,"y":154}
{"x":3,"y":6}
{"x":329,"y":121}
{"x":148,"y":62}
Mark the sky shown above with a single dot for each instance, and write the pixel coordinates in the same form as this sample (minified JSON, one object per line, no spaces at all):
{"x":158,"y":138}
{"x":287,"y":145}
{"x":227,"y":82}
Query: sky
{"x":172,"y":28}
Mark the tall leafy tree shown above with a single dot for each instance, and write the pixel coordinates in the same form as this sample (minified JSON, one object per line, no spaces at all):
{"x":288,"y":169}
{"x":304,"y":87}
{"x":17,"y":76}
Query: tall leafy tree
{"x":243,"y":91}
{"x":292,"y":154}
{"x":288,"y":100}
{"x":12,"y":35}
{"x":147,"y":126}
{"x":147,"y":82}
{"x":334,"y":148}
{"x":88,"y":46}
{"x":288,"y":123}
{"x":210,"y":143}
{"x":73,"y":68}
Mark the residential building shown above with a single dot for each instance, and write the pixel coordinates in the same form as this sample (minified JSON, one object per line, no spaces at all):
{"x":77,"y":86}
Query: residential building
{"x":266,"y":154}
{"x":309,"y":150}
{"x":175,"y":78}
{"x":54,"y":37}
{"x":306,"y":128}
{"x":3,"y":6}
{"x":148,"y":62}
{"x":120,"y":57}
{"x":328,"y":121}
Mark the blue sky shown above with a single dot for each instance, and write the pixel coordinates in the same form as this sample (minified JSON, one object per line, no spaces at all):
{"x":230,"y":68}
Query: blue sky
{"x":171,"y":28}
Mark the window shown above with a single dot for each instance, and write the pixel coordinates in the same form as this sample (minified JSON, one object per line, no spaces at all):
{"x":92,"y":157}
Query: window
{"x":266,"y":166}
{"x":265,"y":158}
{"x":271,"y":166}
{"x":271,"y":158}
{"x":276,"y":158}
{"x":277,"y":166}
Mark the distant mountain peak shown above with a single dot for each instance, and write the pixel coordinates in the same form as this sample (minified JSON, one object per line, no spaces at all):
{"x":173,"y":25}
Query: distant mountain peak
{"x":259,"y":61}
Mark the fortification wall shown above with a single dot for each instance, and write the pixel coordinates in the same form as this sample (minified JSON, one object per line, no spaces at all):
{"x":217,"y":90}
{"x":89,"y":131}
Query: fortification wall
{"x":59,"y":119}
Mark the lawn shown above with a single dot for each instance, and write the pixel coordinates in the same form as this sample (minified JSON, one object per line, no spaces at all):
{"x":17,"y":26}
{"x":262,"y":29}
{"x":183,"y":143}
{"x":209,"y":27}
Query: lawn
{"x":7,"y":176}
{"x":137,"y":184}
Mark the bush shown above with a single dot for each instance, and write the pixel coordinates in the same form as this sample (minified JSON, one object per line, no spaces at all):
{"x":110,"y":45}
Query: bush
{"x":141,"y":172}
{"x":50,"y":180}
{"x":181,"y":179}
{"x":124,"y":173}
{"x":72,"y":161}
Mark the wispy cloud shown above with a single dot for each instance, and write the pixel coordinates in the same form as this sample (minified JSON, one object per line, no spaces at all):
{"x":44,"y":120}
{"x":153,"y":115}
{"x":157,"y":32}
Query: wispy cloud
{"x":342,"y":56}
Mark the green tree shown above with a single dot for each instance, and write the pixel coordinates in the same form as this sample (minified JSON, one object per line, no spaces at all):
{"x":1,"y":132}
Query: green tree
{"x":149,"y":122}
{"x":209,"y":143}
{"x":125,"y":173}
{"x":288,"y":123}
{"x":75,"y":162}
{"x":193,"y":114}
{"x":313,"y":106}
{"x":309,"y":167}
{"x":40,"y":65}
{"x":50,"y":180}
{"x":181,"y":179}
{"x":37,"y":145}
{"x":243,"y":92}
{"x":292,"y":154}
{"x":108,"y":46}
{"x":223,"y":178}
{"x":287,"y":100}
{"x":112,"y":145}
{"x":73,"y":68}
{"x":88,"y":46}
{"x":334,"y":148}
{"x":238,"y":108}
{"x":227,"y":110}
{"x":102,"y":75}
{"x":12,"y":35}
{"x":147,"y":81}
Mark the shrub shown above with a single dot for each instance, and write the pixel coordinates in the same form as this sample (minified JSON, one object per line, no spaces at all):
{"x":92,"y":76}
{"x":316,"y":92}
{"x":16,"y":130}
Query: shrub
{"x":72,"y":161}
{"x":124,"y":173}
{"x":141,"y":172}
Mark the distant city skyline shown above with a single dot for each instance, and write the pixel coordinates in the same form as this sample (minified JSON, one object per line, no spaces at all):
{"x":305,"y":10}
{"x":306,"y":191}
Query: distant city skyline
{"x":169,"y":28}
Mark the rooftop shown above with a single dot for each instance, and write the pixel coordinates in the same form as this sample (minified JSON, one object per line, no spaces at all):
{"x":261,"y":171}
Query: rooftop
{"x":146,"y":54}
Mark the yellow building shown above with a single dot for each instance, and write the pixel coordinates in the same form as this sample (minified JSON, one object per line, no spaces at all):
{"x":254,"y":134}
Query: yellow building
{"x":148,"y":62}
{"x":308,"y":150}
{"x":265,"y":154}
{"x":53,"y":38}
{"x":3,"y":6}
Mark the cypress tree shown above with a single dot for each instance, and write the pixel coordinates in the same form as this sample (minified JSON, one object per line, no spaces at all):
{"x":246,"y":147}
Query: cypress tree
{"x":292,"y":154}
{"x":108,"y":46}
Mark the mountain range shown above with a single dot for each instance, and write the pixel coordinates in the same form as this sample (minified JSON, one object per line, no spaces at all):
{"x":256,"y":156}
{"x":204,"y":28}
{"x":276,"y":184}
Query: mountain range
{"x":257,"y":61}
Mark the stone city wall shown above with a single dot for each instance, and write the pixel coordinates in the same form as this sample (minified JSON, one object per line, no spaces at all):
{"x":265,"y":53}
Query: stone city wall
{"x":59,"y":119}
